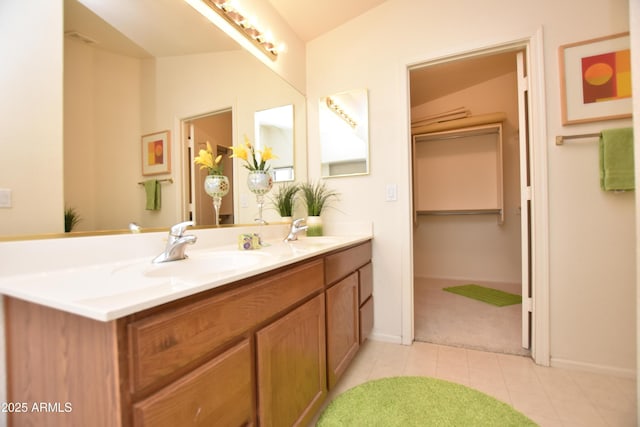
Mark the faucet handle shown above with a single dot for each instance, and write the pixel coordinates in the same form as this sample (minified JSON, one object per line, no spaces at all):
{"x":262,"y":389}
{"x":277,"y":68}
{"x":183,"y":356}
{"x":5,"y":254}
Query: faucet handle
{"x":298,"y":222}
{"x":179,"y":229}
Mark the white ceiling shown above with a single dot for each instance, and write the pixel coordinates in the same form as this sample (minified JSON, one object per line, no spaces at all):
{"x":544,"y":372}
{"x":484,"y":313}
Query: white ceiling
{"x":311,"y":18}
{"x":152,"y":27}
{"x":172,"y":27}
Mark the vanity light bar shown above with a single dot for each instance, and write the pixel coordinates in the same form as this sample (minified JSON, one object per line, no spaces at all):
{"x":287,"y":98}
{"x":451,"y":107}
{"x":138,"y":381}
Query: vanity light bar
{"x":333,"y":106}
{"x":235,"y":17}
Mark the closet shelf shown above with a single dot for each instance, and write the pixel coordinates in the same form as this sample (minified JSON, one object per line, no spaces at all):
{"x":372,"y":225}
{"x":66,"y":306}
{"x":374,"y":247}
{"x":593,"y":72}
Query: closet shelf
{"x":459,"y":124}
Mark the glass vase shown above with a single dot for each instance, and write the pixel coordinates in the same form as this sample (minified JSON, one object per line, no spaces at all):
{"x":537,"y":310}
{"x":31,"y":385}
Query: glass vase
{"x":260,"y":183}
{"x":217,"y":186}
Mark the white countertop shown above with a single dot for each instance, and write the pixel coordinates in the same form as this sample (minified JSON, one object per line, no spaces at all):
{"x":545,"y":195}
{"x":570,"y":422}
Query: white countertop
{"x":113,"y":289}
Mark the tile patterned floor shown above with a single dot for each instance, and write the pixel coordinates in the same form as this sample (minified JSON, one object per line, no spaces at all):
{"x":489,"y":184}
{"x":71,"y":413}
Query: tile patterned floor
{"x":549,"y":396}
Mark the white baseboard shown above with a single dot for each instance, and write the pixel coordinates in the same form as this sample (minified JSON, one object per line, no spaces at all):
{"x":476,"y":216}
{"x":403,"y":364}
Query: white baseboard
{"x":393,"y":339}
{"x":592,"y":367}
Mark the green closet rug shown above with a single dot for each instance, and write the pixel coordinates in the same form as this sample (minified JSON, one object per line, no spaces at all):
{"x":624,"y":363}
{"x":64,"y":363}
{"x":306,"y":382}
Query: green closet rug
{"x":418,"y":401}
{"x":488,"y":295}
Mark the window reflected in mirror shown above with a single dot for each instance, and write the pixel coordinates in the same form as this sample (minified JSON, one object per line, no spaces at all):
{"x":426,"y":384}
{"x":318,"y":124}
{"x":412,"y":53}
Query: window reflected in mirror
{"x":344,"y":133}
{"x":274,"y":128}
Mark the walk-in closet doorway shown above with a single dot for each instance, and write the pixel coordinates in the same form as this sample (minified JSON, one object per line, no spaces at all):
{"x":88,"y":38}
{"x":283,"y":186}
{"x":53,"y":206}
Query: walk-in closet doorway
{"x":471,"y":213}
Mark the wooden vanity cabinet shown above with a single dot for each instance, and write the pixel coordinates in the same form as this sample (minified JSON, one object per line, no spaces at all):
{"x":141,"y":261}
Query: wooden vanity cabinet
{"x":349,"y":306}
{"x":259,"y":351}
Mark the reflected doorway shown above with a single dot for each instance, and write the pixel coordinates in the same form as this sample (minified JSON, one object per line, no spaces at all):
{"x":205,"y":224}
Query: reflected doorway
{"x":217,"y":129}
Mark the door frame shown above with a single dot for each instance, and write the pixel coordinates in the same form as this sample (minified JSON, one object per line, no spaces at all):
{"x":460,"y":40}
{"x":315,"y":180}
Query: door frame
{"x":533,"y":45}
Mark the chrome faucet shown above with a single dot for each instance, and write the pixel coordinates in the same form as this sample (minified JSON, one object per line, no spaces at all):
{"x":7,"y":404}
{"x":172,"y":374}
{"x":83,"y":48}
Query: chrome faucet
{"x":176,"y":243}
{"x":296,"y":226}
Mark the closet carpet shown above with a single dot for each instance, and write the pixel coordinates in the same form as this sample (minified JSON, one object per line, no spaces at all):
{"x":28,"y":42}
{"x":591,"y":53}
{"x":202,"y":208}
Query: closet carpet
{"x":449,"y":319}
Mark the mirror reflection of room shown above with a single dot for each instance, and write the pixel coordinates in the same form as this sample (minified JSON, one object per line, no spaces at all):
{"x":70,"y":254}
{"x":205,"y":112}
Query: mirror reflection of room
{"x":124,"y":79}
{"x":274,"y":129}
{"x":344,"y":133}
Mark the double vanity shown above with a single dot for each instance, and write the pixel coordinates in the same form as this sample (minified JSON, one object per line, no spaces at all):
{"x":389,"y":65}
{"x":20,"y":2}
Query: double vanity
{"x":224,"y":337}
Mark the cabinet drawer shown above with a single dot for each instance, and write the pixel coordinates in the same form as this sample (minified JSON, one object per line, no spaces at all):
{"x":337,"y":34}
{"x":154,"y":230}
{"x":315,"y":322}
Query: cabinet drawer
{"x":218,"y":393}
{"x":366,"y":319}
{"x":366,"y":282}
{"x":168,"y":342}
{"x":340,"y":264}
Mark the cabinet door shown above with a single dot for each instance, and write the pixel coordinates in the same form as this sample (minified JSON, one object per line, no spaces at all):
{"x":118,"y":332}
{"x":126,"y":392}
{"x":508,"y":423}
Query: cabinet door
{"x":343,"y":306}
{"x":220,"y":392}
{"x":292,"y":366}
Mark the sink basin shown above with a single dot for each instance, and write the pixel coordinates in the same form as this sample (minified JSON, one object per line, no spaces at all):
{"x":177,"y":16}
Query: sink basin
{"x":197,"y":264}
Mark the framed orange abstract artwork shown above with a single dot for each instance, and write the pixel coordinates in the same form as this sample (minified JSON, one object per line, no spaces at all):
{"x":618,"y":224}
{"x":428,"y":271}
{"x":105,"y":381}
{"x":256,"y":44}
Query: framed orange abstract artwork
{"x":156,"y":153}
{"x":595,"y":79}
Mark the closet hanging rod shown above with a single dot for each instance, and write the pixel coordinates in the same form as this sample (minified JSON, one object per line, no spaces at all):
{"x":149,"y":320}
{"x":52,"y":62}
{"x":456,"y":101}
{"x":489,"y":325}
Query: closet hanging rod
{"x":461,"y":212}
{"x":560,"y":138}
{"x":169,"y":180}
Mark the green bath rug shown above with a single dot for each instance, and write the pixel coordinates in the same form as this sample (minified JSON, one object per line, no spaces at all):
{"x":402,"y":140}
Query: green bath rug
{"x":418,"y":402}
{"x":488,"y":295}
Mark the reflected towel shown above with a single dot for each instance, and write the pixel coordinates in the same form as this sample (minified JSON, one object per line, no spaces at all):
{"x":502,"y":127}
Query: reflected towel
{"x":616,"y":159}
{"x":154,"y":199}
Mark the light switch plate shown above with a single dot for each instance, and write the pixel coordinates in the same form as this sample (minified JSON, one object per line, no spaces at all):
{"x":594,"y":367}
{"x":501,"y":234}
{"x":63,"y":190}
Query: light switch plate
{"x":5,"y":198}
{"x":391,"y":192}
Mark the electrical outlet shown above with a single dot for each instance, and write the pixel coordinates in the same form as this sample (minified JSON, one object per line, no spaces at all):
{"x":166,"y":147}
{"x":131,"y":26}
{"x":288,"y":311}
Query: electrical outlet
{"x":5,"y":198}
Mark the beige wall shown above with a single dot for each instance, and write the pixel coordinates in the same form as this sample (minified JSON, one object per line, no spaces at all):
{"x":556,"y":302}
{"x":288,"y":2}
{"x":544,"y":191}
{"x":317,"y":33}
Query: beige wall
{"x":102,"y":121}
{"x":591,"y":253}
{"x":31,"y":116}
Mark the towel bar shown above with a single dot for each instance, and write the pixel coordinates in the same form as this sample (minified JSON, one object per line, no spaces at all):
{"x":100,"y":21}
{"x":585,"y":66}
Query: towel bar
{"x":560,"y":138}
{"x":169,"y":180}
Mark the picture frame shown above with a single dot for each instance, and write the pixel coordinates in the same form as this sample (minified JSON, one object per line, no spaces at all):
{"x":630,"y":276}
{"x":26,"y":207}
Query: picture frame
{"x":595,"y":79}
{"x":156,"y":153}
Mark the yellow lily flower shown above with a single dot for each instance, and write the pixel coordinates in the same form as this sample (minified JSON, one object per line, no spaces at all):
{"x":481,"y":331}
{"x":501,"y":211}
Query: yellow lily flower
{"x":267,"y":154}
{"x":206,"y":161}
{"x":247,"y":152}
{"x":240,"y":152}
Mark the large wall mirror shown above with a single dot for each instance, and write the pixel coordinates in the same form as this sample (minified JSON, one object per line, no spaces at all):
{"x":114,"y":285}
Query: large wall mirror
{"x":135,"y":68}
{"x":344,"y":133}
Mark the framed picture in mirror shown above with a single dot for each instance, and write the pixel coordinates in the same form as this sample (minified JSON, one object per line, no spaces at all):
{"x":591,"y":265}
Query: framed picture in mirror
{"x":156,"y":153}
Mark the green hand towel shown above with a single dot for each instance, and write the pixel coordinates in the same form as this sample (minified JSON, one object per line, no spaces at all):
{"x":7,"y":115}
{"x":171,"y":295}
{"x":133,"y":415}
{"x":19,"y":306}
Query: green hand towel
{"x":616,"y":160}
{"x":152,"y":189}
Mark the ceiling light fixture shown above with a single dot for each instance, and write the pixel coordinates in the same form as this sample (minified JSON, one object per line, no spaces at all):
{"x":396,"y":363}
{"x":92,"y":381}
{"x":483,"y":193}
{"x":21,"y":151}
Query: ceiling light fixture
{"x":230,"y":12}
{"x":333,"y":106}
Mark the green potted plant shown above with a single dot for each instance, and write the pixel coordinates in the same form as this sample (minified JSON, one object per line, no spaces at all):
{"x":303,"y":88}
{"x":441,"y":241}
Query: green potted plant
{"x":284,"y":200}
{"x":71,"y":219}
{"x":316,"y":197}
